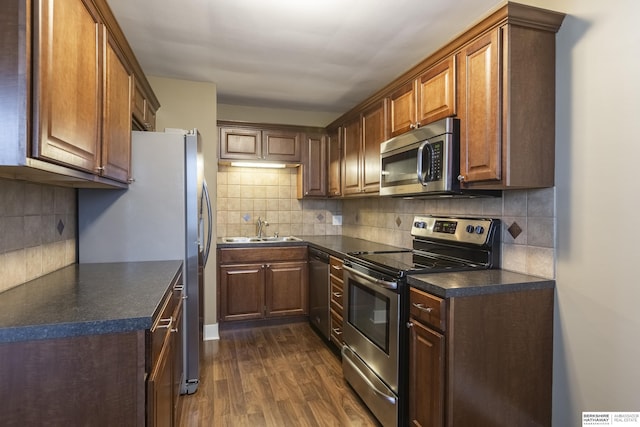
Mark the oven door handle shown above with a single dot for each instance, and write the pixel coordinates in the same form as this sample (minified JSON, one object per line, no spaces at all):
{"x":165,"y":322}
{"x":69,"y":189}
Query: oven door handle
{"x":372,"y":280}
{"x":346,"y":356}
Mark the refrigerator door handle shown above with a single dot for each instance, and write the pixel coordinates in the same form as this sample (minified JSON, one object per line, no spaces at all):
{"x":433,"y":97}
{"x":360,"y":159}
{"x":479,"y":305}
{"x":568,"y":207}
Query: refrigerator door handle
{"x":207,"y":197}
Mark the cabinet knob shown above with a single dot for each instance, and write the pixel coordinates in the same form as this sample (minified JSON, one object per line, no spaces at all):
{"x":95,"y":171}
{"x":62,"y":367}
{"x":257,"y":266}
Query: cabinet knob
{"x":461,"y":178}
{"x":412,"y":126}
{"x":100,"y":168}
{"x":409,"y":325}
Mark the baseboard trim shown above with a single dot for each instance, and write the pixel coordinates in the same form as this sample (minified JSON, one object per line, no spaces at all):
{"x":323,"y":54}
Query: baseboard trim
{"x":211,"y":332}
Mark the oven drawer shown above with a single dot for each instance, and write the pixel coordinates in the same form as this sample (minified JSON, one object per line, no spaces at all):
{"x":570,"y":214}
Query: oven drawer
{"x":428,"y":308}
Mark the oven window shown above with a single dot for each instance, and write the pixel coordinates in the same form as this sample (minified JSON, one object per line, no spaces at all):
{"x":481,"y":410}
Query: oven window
{"x":368,"y":312}
{"x":400,"y":169}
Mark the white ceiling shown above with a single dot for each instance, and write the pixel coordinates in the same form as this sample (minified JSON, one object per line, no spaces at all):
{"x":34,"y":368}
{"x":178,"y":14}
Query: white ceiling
{"x":317,"y":55}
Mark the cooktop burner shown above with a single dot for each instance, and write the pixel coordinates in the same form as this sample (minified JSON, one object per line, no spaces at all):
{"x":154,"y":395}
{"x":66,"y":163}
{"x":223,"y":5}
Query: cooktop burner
{"x":409,"y":262}
{"x":440,"y":244}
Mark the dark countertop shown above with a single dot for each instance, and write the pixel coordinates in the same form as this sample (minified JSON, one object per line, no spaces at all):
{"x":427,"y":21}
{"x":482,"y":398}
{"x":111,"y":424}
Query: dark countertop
{"x":86,"y":299}
{"x":337,"y":245}
{"x":478,"y":282}
{"x":444,"y":285}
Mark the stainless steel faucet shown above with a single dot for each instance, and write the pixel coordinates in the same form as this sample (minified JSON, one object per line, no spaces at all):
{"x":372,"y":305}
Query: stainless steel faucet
{"x":261,"y":224}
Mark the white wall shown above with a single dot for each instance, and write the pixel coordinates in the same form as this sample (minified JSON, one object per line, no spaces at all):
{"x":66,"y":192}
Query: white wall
{"x":275,"y":115}
{"x":187,"y":105}
{"x":597,"y":333}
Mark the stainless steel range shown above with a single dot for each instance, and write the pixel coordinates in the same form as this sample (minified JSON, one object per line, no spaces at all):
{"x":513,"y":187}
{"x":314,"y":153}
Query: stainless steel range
{"x":375,"y":354}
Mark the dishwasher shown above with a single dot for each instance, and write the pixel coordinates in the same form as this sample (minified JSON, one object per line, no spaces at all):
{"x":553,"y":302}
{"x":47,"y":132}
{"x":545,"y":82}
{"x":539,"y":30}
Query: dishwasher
{"x":319,"y":288}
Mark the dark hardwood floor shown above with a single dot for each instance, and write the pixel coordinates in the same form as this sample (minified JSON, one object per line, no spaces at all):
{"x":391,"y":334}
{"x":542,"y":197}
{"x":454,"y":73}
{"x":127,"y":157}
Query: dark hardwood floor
{"x":272,"y":376}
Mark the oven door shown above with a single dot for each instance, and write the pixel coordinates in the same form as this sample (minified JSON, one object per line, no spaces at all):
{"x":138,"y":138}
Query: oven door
{"x":371,"y":322}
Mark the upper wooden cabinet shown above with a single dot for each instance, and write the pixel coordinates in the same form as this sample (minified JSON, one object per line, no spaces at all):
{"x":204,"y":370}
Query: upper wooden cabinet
{"x":429,"y":97}
{"x":335,"y":161}
{"x":312,"y":174}
{"x":144,"y":111}
{"x":361,"y":140}
{"x":254,"y":142}
{"x":68,"y":110}
{"x":116,"y":110}
{"x":498,"y":77}
{"x":67,"y":73}
{"x":507,"y":109}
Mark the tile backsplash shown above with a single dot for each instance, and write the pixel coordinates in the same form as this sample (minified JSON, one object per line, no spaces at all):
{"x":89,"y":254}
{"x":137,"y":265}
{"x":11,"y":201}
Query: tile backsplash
{"x":532,"y":251}
{"x":244,"y":194}
{"x":37,"y":230}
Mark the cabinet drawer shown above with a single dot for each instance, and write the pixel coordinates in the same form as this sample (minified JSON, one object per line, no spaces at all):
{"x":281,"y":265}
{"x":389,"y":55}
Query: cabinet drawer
{"x":335,"y":265}
{"x":255,"y":255}
{"x":428,"y":308}
{"x":337,"y":294}
{"x":336,"y":329}
{"x":164,"y":322}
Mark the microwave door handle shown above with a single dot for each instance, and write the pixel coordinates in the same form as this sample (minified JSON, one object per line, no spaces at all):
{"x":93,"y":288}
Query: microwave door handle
{"x":429,"y":173}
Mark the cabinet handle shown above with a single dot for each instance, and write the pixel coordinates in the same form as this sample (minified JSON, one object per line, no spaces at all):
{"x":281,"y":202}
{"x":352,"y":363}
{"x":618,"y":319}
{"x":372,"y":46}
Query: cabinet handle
{"x":131,"y":180}
{"x":422,"y":307}
{"x":178,"y":288}
{"x":461,"y":178}
{"x":336,"y":331}
{"x":336,"y":294}
{"x":167,"y":325}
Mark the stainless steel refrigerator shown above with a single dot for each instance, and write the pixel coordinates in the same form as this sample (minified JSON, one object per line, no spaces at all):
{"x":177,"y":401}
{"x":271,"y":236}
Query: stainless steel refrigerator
{"x":161,"y":216}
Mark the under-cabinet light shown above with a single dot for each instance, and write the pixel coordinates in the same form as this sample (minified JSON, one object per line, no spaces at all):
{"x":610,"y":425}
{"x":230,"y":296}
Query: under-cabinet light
{"x":258,"y":165}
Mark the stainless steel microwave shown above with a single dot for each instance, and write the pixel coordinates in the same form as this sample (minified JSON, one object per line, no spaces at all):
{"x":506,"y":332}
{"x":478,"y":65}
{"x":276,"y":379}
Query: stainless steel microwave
{"x":424,"y":161}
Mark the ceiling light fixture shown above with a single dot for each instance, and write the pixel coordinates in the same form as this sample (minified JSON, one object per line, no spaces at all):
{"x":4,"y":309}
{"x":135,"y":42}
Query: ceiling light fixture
{"x":258,"y":165}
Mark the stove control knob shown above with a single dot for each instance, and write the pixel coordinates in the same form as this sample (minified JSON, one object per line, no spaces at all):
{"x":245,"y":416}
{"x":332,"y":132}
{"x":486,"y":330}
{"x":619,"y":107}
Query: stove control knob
{"x":470,"y":228}
{"x":479,"y":229}
{"x":419,"y":224}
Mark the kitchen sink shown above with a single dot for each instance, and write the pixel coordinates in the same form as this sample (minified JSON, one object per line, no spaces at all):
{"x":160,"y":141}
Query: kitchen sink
{"x":255,"y":239}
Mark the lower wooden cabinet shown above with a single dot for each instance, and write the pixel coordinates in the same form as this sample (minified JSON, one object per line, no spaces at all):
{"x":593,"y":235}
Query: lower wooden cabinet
{"x":258,"y":283}
{"x":129,"y":378}
{"x":163,"y":384}
{"x":483,"y":360}
{"x":426,"y":392}
{"x":335,"y":301}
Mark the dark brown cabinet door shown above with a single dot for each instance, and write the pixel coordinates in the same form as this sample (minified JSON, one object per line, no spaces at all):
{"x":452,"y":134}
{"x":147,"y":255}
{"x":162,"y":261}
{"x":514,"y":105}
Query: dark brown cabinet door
{"x":314,"y":166}
{"x":68,"y":83}
{"x":351,"y":171}
{"x":281,"y":145}
{"x":426,"y":376}
{"x":178,"y":357}
{"x":480,"y":112}
{"x":374,"y":132}
{"x":402,"y":109}
{"x":286,"y":289}
{"x":240,"y":144}
{"x":335,"y":159}
{"x":116,"y":125}
{"x":241,"y":292}
{"x":437,"y":92}
{"x":160,"y":389}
